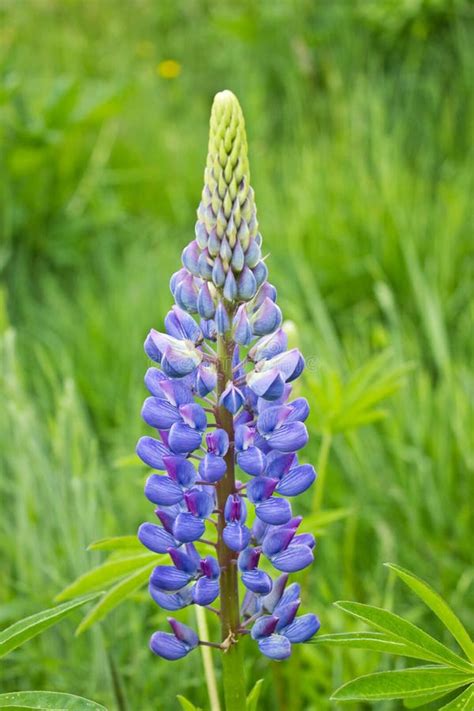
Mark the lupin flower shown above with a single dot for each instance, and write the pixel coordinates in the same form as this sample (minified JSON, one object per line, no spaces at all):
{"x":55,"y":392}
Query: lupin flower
{"x":221,"y":404}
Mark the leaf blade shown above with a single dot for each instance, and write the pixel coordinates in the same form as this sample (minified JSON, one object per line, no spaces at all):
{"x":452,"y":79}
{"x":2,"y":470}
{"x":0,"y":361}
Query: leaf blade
{"x":48,"y":700}
{"x":20,"y":632}
{"x":254,"y":695}
{"x":372,"y":641}
{"x":462,"y":702}
{"x":438,"y":605}
{"x":400,"y":684}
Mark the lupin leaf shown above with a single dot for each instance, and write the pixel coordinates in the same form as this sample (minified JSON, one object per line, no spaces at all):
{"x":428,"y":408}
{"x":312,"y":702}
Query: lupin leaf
{"x":404,"y":631}
{"x":438,"y":605}
{"x":463,"y":702}
{"x":186,"y":705}
{"x":401,"y":684}
{"x":23,"y":630}
{"x":115,"y":596}
{"x":115,"y":543}
{"x":106,"y":574}
{"x":374,"y":641}
{"x":47,"y":700}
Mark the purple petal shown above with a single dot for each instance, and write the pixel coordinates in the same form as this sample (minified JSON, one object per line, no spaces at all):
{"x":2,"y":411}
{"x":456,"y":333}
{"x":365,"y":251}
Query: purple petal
{"x":152,"y":350}
{"x":286,"y":615}
{"x":237,"y":261}
{"x":260,"y":273}
{"x":177,"y":392}
{"x":194,"y":416}
{"x":183,"y":438}
{"x":217,"y":442}
{"x":190,"y":257}
{"x":153,"y":381}
{"x":151,"y":451}
{"x":180,"y":470}
{"x":290,"y":364}
{"x":295,"y":557}
{"x":232,"y":398}
{"x":269,"y":346}
{"x":291,"y":594}
{"x":212,"y":468}
{"x":218,"y":273}
{"x":264,"y":626}
{"x":300,"y":409}
{"x":205,"y":303}
{"x":242,"y":330}
{"x":277,"y":541}
{"x":274,"y":511}
{"x":221,"y":319}
{"x":303,"y":628}
{"x":184,"y":633}
{"x":205,"y":591}
{"x":210,"y":567}
{"x":183,"y":561}
{"x":187,"y":527}
{"x":186,"y":294}
{"x":306,"y":539}
{"x":270,"y":601}
{"x":248,"y":559}
{"x":257,"y":581}
{"x":260,"y":489}
{"x":167,"y":646}
{"x":272,"y":418}
{"x":235,"y":509}
{"x":296,"y":480}
{"x":201,"y":235}
{"x":199,"y":503}
{"x":230,"y":287}
{"x":169,"y":578}
{"x":155,"y":537}
{"x":246,"y":284}
{"x":289,"y":437}
{"x":279,"y":463}
{"x":236,"y":537}
{"x":268,"y":385}
{"x":206,"y":379}
{"x":276,"y":647}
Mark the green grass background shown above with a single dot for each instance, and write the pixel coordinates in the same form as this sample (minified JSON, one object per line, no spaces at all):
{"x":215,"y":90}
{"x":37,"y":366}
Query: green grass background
{"x":360,"y":124}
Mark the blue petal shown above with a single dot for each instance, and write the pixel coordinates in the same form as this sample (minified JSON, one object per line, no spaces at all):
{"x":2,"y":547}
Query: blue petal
{"x":269,"y":346}
{"x":153,"y":381}
{"x":159,"y":413}
{"x":169,"y":578}
{"x":190,"y":257}
{"x":257,"y":581}
{"x":167,"y":646}
{"x":181,"y":325}
{"x":242,"y":330}
{"x":260,"y":273}
{"x":151,"y":349}
{"x":163,"y":491}
{"x":272,"y":418}
{"x":184,"y":561}
{"x":291,"y":594}
{"x":303,"y":628}
{"x":187,"y":527}
{"x":252,"y":461}
{"x":300,"y":409}
{"x":236,"y":537}
{"x":289,"y":437}
{"x":286,"y":614}
{"x":171,"y":601}
{"x":205,"y":302}
{"x":151,"y":451}
{"x":279,"y":463}
{"x":155,"y":537}
{"x":270,"y":601}
{"x":221,"y":319}
{"x":276,"y":647}
{"x":205,"y":591}
{"x":184,"y":633}
{"x":296,"y":480}
{"x":274,"y":511}
{"x":194,"y":416}
{"x":199,"y":503}
{"x":268,"y":385}
{"x":206,"y":379}
{"x":267,"y":319}
{"x":248,"y":559}
{"x":230,"y":287}
{"x":183,"y":438}
{"x":180,"y":470}
{"x":277,"y":540}
{"x":295,"y":557}
{"x":246,"y":284}
{"x":212,"y":468}
{"x":217,"y":442}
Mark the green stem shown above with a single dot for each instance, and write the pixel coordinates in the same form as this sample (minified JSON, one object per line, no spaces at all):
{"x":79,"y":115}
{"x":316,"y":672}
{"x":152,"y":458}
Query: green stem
{"x":232,"y":659}
{"x":322,"y":467}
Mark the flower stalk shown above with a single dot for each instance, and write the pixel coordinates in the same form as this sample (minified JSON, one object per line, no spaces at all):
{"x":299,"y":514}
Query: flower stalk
{"x":227,"y":431}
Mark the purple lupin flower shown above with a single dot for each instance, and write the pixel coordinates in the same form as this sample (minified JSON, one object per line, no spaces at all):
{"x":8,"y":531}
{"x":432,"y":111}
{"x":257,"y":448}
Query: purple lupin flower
{"x":228,"y":431}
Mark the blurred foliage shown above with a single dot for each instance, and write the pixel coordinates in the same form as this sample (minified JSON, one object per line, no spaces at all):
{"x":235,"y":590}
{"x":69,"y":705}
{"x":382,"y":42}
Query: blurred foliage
{"x":360,"y":119}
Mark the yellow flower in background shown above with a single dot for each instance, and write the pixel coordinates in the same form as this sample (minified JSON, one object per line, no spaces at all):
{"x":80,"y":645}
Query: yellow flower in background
{"x":169,"y":69}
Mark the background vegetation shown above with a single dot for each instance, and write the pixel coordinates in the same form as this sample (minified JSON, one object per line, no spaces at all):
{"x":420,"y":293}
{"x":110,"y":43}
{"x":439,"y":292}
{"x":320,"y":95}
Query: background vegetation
{"x":360,"y":120}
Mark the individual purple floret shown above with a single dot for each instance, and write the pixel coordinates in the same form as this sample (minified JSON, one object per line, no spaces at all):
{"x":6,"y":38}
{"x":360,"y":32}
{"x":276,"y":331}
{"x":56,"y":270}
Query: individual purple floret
{"x":227,"y":429}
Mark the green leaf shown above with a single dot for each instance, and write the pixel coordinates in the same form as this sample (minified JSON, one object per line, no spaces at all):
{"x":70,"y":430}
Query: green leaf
{"x":254,"y":695}
{"x":23,"y":630}
{"x":115,"y":596}
{"x":105,"y":574}
{"x":417,"y":701}
{"x":114,"y":543}
{"x":374,"y":641}
{"x":406,"y":632}
{"x":187,"y":705}
{"x":463,"y":702}
{"x":401,"y":684}
{"x":47,"y":700}
{"x":438,"y":605}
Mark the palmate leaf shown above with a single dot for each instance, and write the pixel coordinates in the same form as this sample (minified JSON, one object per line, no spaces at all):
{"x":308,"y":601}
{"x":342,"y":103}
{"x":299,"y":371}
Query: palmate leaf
{"x":439,"y":606}
{"x":373,"y":641}
{"x":402,"y":684}
{"x":406,"y":632}
{"x":23,"y":630}
{"x":107,"y":573}
{"x":463,"y":702}
{"x":52,"y":700}
{"x":115,"y":596}
{"x":417,"y":701}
